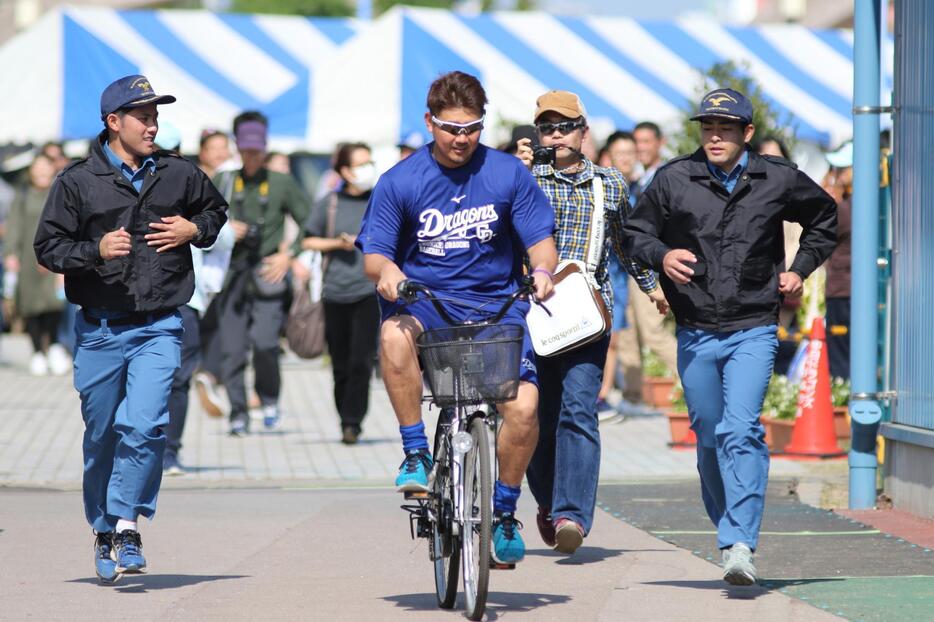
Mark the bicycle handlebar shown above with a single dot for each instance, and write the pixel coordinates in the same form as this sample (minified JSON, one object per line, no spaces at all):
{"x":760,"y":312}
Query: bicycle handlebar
{"x":408,"y":291}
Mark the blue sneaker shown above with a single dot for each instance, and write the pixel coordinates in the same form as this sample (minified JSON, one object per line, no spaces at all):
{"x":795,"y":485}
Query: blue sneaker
{"x":129,"y":549}
{"x":272,"y":417}
{"x":413,"y":472}
{"x":508,"y":547}
{"x":105,"y":563}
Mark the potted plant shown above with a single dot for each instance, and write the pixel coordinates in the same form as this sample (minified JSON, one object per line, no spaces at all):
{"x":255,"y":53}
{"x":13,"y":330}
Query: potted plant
{"x":779,"y":411}
{"x":678,"y":420}
{"x":657,"y":380}
{"x":840,"y":397}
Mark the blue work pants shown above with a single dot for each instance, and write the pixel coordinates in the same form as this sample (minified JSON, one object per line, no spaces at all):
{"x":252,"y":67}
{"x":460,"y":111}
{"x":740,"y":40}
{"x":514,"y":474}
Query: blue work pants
{"x":565,"y":467}
{"x":725,"y":377}
{"x":124,"y":374}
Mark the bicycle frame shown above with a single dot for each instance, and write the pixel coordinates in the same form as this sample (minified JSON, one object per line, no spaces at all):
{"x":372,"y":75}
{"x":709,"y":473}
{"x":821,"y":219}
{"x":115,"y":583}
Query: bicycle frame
{"x":466,"y":531}
{"x":460,"y":422}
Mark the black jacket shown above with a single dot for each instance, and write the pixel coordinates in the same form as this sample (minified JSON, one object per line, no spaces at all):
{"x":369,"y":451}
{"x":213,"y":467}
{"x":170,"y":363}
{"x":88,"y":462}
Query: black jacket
{"x":738,"y":235}
{"x":91,"y":198}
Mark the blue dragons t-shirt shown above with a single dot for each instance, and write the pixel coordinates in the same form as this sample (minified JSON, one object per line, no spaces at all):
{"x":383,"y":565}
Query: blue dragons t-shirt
{"x":462,"y":231}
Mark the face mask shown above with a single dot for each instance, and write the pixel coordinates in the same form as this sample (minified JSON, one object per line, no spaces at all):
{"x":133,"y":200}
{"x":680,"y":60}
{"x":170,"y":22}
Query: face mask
{"x":364,"y":176}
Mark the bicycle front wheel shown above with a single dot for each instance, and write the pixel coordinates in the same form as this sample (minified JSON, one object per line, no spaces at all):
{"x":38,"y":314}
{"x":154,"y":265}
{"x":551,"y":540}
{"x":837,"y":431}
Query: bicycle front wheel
{"x":444,"y":546}
{"x":476,"y":534}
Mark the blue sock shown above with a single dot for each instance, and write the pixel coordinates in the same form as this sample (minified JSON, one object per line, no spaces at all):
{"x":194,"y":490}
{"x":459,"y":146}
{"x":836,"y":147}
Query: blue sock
{"x":413,"y":437}
{"x":505,"y":498}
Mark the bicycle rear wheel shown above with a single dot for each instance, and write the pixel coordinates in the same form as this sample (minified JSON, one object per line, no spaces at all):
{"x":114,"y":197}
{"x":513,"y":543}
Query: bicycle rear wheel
{"x":478,"y":499}
{"x":445,"y":547}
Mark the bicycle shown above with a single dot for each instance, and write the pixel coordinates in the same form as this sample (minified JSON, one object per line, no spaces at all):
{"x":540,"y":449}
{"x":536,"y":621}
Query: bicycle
{"x":467,"y":365}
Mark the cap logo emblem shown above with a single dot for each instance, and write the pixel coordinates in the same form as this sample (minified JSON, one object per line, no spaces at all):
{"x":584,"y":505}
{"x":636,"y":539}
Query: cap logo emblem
{"x":141,"y":83}
{"x":717,"y":99}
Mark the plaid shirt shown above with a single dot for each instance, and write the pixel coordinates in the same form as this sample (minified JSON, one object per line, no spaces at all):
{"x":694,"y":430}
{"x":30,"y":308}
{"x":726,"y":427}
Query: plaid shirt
{"x":572,"y":197}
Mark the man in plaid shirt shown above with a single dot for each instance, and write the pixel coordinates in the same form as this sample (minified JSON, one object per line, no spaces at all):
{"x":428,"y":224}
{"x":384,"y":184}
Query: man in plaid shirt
{"x":564,"y":470}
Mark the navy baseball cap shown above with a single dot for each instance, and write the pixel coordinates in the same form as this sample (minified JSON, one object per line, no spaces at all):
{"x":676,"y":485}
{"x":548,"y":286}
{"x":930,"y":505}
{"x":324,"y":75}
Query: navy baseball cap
{"x":130,"y":92}
{"x":725,"y":104}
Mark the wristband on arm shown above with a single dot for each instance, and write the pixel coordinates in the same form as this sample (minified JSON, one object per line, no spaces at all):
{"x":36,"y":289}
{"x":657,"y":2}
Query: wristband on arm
{"x":550,"y":276}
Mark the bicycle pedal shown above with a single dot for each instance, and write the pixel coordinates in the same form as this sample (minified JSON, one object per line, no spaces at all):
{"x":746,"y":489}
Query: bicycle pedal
{"x":415,"y":494}
{"x":495,"y":566}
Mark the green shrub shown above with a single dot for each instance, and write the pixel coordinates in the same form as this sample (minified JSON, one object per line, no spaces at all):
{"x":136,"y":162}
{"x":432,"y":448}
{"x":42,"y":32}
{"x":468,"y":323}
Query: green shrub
{"x":781,"y":398}
{"x":840,"y":392}
{"x":678,"y":403}
{"x":653,"y":366}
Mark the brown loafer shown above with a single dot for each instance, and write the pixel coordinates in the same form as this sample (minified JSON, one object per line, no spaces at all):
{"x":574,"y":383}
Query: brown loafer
{"x":546,"y":527}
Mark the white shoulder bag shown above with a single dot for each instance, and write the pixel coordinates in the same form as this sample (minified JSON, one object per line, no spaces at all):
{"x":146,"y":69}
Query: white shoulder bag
{"x":575,"y":315}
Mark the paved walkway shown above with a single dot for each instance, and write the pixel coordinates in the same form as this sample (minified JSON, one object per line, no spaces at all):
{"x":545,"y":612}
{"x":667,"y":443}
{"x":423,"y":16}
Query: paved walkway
{"x":292,"y":524}
{"x":41,"y":429}
{"x":343,"y":555}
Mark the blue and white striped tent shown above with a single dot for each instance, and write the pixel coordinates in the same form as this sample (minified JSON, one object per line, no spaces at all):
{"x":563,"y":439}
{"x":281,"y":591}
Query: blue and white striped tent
{"x":325,"y":80}
{"x":624,"y":70}
{"x":215,"y":64}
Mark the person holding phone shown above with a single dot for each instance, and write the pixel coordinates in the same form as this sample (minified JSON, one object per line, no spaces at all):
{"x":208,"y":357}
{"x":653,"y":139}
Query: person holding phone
{"x":565,"y":467}
{"x":351,"y":308}
{"x":711,"y":224}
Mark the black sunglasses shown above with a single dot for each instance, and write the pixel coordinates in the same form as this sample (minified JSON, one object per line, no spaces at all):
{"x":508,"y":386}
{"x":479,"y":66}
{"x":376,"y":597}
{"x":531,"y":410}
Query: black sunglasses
{"x":565,"y":127}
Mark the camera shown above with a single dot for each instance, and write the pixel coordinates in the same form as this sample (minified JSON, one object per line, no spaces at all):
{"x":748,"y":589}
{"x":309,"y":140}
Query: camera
{"x":543,"y":155}
{"x":252,"y":241}
{"x":253,"y":236}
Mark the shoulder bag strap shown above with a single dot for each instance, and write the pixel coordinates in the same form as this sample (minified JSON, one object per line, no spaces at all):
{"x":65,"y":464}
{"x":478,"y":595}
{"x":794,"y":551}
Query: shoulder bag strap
{"x":597,"y":226}
{"x":227,"y":183}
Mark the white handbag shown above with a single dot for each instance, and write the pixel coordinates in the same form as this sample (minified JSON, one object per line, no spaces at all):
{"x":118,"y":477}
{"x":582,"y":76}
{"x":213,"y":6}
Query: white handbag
{"x":575,"y":314}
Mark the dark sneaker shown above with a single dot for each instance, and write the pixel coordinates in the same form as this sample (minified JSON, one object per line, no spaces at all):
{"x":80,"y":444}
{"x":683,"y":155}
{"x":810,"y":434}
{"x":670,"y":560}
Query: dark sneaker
{"x":350,"y":435}
{"x":240,"y":424}
{"x":171,"y":466}
{"x":738,"y":568}
{"x":568,"y":536}
{"x":508,"y":547}
{"x":546,"y":528}
{"x":129,"y":549}
{"x":413,"y":472}
{"x":105,"y":561}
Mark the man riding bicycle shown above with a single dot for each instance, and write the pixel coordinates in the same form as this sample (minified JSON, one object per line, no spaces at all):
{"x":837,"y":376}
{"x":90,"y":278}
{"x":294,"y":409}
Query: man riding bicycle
{"x":459,"y":218}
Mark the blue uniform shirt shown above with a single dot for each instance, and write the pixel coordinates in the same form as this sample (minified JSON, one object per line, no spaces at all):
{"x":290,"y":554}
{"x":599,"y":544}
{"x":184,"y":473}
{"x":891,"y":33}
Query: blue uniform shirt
{"x":134,"y":177}
{"x":729,"y":179}
{"x":463,"y":230}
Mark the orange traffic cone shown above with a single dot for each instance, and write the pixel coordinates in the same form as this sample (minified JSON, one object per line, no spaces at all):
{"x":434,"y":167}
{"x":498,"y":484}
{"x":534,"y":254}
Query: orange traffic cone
{"x":813,"y":435}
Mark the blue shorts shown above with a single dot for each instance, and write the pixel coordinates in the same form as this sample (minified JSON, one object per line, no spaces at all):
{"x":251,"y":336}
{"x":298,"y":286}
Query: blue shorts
{"x":426,"y":314}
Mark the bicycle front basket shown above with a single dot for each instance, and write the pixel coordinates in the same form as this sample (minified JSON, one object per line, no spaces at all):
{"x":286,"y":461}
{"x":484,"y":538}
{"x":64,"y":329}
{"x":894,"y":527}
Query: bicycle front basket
{"x":472,"y":364}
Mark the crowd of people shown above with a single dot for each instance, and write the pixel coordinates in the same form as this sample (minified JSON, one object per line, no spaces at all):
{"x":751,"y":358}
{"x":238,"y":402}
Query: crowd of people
{"x":192,"y":286}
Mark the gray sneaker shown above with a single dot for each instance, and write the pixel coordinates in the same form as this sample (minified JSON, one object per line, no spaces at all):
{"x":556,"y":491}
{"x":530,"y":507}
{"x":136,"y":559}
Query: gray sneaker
{"x":737,"y":565}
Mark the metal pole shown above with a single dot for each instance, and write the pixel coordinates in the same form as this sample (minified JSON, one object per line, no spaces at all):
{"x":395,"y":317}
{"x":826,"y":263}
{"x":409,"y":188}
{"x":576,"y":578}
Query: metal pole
{"x":864,"y":405}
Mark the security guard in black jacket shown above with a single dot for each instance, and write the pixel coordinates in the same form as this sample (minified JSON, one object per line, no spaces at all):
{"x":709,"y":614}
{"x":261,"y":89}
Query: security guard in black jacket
{"x":711,"y":223}
{"x":117,"y":225}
